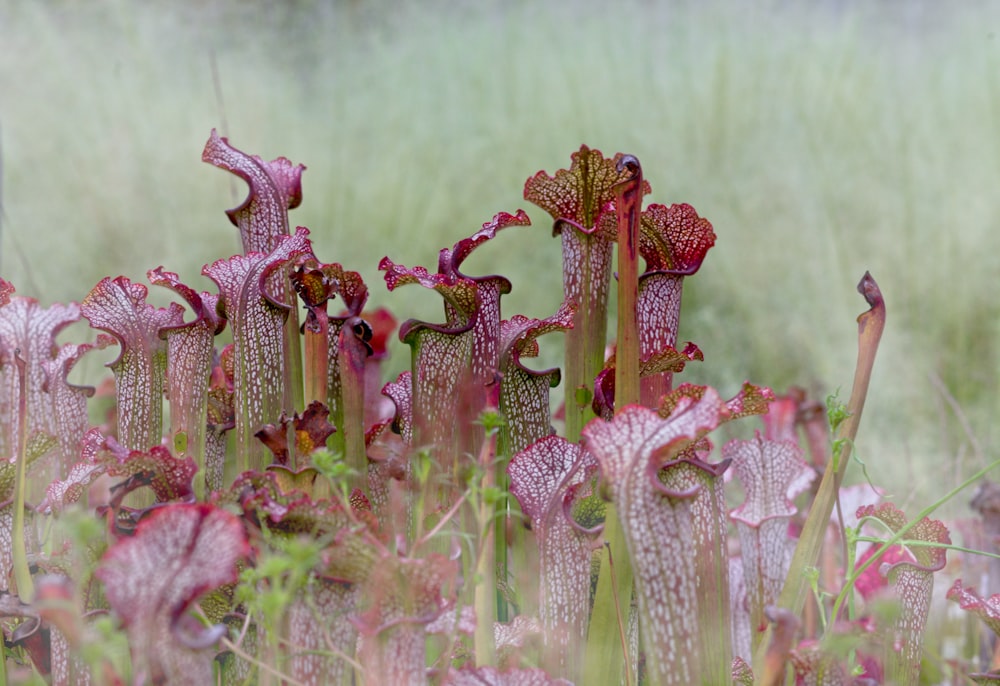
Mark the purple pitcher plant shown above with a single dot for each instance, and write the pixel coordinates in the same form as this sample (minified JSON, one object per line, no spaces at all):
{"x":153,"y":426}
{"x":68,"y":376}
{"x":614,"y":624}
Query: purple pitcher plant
{"x":264,"y":508}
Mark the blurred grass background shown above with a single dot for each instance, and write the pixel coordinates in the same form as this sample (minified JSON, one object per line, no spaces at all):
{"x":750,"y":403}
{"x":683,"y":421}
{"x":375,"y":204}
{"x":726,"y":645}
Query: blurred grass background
{"x":821,"y":139}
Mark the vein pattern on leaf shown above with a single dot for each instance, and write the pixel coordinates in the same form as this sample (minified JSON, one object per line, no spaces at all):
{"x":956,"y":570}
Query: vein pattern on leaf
{"x":119,"y":307}
{"x":751,"y":400}
{"x":491,"y":676}
{"x":257,"y":322}
{"x":400,"y":392}
{"x":275,"y":188}
{"x":178,"y":553}
{"x":987,"y":609}
{"x":317,"y":619}
{"x":454,"y":362}
{"x":190,"y":353}
{"x":658,"y":522}
{"x":912,"y":581}
{"x":665,"y":361}
{"x":27,"y":327}
{"x":578,"y":194}
{"x":69,"y":401}
{"x":772,"y":474}
{"x":524,"y":393}
{"x":674,"y":238}
{"x":407,"y":595}
{"x":545,"y":478}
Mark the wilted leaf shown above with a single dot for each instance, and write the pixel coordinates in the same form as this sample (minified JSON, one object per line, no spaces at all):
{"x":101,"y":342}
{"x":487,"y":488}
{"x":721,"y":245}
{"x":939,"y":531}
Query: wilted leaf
{"x":309,"y":431}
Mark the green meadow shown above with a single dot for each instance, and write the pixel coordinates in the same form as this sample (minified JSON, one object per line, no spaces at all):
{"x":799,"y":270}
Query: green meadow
{"x":821,"y":140}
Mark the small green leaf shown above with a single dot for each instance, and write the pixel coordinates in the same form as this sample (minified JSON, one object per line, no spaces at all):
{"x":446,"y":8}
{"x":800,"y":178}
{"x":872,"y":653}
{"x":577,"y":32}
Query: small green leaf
{"x":493,"y":495}
{"x":491,"y":421}
{"x":836,"y":411}
{"x":812,"y":575}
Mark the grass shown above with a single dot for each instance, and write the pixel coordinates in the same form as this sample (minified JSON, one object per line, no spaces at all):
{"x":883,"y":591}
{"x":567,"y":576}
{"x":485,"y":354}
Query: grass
{"x":820,"y":141}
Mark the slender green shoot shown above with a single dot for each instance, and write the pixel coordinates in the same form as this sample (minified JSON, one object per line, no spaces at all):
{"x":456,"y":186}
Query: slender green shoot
{"x":900,"y":537}
{"x":22,"y":574}
{"x":870,"y":326}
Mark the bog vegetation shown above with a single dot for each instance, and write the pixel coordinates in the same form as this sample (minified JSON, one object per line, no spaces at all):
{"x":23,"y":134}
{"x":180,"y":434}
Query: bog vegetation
{"x":295,"y":521}
{"x":282,"y":478}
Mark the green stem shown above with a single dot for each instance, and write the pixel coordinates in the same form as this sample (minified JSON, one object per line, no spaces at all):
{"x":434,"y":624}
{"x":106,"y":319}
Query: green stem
{"x":501,"y":544}
{"x":486,"y":595}
{"x":914,"y":543}
{"x":605,"y":660}
{"x":485,"y":576}
{"x":793,"y":596}
{"x":606,"y":656}
{"x":897,"y":538}
{"x":316,"y":361}
{"x":22,"y":574}
{"x":627,"y":355}
{"x":293,"y":369}
{"x":851,"y":558}
{"x":587,"y":339}
{"x":352,"y":356}
{"x":618,"y":615}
